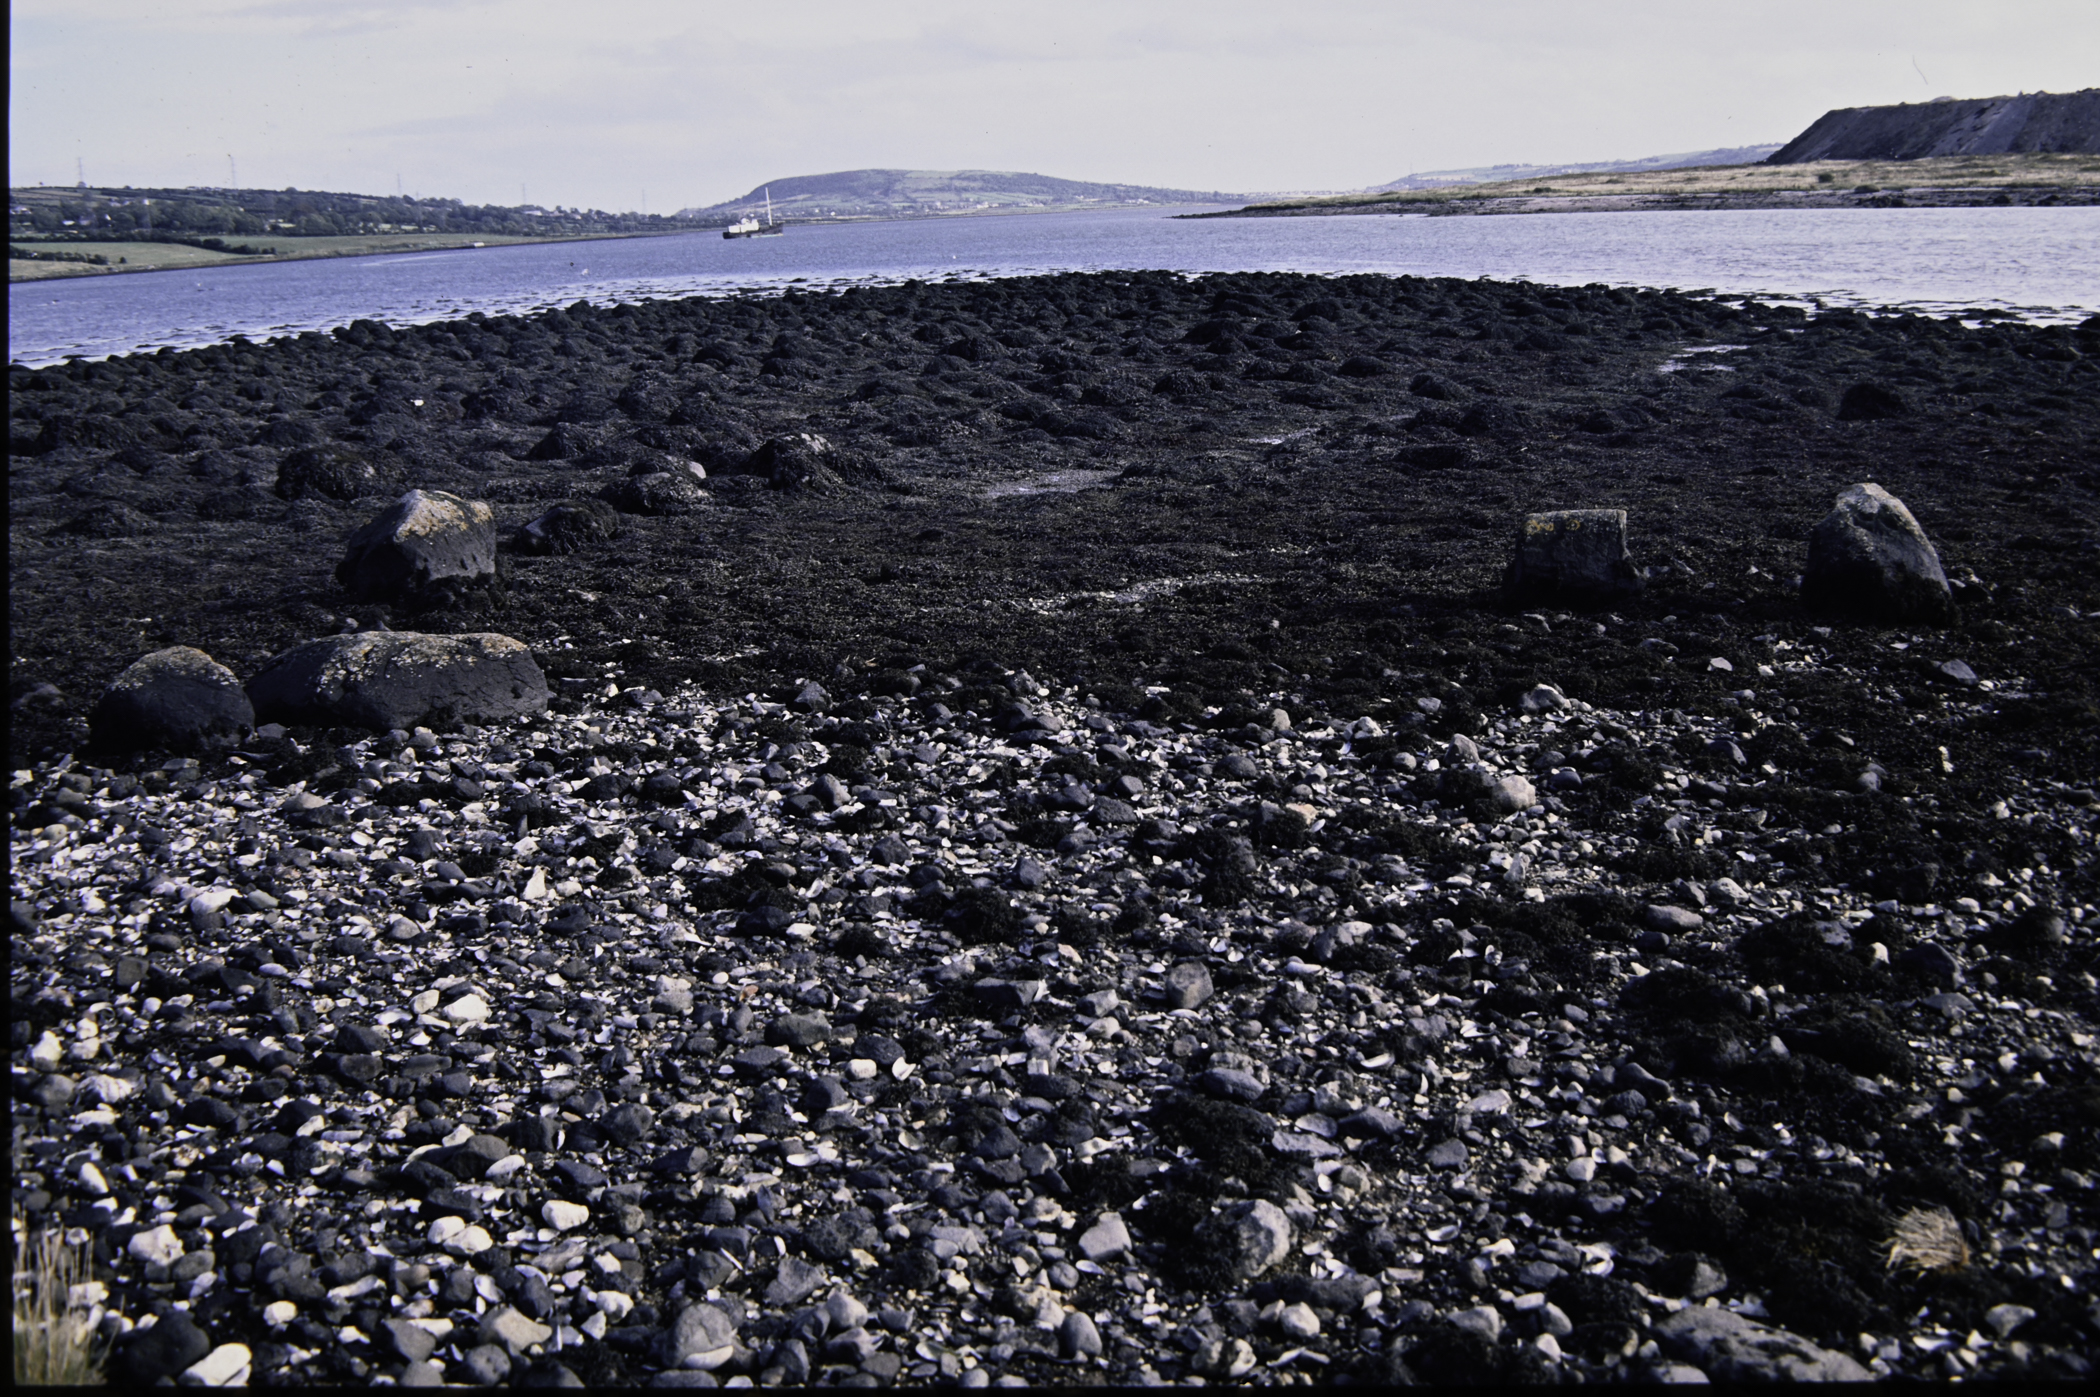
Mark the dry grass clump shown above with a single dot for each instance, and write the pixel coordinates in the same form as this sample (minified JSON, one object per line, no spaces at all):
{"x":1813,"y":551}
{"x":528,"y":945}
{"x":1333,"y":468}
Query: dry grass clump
{"x":55,"y":1341}
{"x":1928,"y":1239}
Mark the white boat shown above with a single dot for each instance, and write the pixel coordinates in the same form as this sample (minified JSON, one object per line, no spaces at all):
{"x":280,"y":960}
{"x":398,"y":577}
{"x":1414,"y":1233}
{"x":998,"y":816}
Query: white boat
{"x":752,"y":228}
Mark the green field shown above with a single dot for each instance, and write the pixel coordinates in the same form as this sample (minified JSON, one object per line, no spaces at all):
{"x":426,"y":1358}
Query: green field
{"x":154,"y":257}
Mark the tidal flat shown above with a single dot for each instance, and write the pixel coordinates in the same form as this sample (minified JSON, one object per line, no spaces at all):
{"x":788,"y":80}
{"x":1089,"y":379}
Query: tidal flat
{"x":951,"y":926}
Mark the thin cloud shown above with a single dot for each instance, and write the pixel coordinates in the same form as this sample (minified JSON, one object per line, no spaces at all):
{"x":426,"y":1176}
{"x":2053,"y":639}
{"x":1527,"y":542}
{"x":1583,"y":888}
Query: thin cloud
{"x":699,"y":101}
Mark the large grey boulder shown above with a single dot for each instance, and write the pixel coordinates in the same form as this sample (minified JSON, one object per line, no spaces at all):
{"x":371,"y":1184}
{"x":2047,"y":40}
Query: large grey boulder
{"x":426,"y":545}
{"x":178,"y":697}
{"x":399,"y":679}
{"x":1730,"y":1348}
{"x":1572,"y":555}
{"x":1868,"y":558}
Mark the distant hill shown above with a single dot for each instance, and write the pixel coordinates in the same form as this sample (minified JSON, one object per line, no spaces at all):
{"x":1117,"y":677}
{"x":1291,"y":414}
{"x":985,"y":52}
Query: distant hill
{"x":904,"y":193}
{"x":1490,"y":174}
{"x":2040,"y":123}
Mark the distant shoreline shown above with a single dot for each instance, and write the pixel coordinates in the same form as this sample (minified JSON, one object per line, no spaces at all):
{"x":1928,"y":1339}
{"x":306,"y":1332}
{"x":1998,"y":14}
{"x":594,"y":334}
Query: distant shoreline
{"x":1476,"y":205}
{"x":1946,"y":182}
{"x":181,"y":257}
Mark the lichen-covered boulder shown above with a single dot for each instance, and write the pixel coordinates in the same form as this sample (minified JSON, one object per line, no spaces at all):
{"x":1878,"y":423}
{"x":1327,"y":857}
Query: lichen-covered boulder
{"x":1869,"y":559}
{"x":397,"y":679}
{"x":178,"y":698}
{"x":1572,"y":555}
{"x":425,"y":546}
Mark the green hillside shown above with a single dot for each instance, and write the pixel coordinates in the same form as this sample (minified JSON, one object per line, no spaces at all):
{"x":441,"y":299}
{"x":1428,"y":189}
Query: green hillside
{"x":904,"y":193}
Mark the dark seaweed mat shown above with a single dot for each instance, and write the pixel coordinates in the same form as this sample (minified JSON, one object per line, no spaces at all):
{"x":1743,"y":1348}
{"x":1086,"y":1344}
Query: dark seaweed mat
{"x":144,"y":506}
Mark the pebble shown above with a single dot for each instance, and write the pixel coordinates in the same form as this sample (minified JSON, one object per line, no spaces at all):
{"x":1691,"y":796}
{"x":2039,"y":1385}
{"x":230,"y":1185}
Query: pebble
{"x":1495,"y":1102}
{"x":1188,"y":985}
{"x":1676,"y":921}
{"x":165,"y":1350}
{"x":1107,"y":1239}
{"x":1298,"y":1322}
{"x":225,"y":1366}
{"x":701,"y":1337}
{"x":1077,"y":1336}
{"x":1253,"y":1236}
{"x":155,"y":1246}
{"x":2005,"y":1320}
{"x":564,"y":1216}
{"x":1484,"y":1320}
{"x":505,"y":1326}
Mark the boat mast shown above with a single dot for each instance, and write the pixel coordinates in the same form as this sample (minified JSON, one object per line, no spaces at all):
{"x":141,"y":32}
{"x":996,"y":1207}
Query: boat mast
{"x":769,"y":206}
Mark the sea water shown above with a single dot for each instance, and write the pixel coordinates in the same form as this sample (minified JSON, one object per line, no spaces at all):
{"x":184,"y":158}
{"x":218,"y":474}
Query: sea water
{"x":2039,"y":263}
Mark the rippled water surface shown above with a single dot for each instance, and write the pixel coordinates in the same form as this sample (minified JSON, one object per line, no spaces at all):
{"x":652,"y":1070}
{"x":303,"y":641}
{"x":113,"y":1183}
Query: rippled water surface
{"x":2042,"y":263}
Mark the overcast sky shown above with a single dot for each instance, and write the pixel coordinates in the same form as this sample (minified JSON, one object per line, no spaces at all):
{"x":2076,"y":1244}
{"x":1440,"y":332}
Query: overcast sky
{"x":608,"y":103}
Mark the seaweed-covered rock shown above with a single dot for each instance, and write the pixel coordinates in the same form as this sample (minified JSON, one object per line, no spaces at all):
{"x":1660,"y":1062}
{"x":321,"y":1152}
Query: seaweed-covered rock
{"x":108,"y":519}
{"x":564,"y":442}
{"x":178,"y":697}
{"x":570,"y":526}
{"x":335,"y":471}
{"x":393,"y":679}
{"x":804,"y":463}
{"x":1868,"y":558}
{"x":658,"y":492}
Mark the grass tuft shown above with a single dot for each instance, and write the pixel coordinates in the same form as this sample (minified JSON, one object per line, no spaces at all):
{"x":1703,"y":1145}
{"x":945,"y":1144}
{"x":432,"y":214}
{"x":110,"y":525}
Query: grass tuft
{"x":1928,"y":1239}
{"x":55,"y":1340}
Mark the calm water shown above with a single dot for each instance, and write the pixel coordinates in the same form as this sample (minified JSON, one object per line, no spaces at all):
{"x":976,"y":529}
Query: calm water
{"x":2042,"y":263}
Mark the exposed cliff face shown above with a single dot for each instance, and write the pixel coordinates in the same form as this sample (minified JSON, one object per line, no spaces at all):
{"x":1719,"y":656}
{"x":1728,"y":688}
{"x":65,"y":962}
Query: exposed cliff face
{"x":2058,"y":123}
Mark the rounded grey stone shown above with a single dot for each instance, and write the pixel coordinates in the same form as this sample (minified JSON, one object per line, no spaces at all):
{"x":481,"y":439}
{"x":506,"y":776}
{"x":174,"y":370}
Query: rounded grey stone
{"x":179,"y":697}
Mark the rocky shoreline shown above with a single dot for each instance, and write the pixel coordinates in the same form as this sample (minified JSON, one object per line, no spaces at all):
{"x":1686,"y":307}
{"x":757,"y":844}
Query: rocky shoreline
{"x":1053,"y":862}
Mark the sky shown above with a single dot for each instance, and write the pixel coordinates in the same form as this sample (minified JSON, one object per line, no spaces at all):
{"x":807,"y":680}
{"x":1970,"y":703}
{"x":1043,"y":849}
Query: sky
{"x":643,"y":104}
